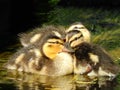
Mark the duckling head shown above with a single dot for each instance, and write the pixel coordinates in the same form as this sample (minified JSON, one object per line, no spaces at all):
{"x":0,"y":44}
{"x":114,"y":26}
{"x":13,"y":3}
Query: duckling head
{"x":78,"y":30}
{"x":53,"y":45}
{"x":76,"y":34}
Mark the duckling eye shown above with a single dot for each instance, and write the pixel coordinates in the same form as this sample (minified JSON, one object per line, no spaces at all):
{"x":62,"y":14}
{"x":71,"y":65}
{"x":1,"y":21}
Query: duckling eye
{"x":56,"y":42}
{"x":81,"y":27}
{"x":64,"y":40}
{"x":49,"y":45}
{"x":75,"y":27}
{"x":76,"y":38}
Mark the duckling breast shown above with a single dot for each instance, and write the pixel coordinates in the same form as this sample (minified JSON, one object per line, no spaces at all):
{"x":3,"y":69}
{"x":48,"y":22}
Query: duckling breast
{"x":64,"y":63}
{"x":61,"y":65}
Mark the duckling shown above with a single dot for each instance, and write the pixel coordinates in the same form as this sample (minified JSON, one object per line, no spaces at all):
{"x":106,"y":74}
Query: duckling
{"x":78,"y":31}
{"x":34,"y":36}
{"x":90,"y":59}
{"x":101,"y":64}
{"x":76,"y":34}
{"x":48,"y":57}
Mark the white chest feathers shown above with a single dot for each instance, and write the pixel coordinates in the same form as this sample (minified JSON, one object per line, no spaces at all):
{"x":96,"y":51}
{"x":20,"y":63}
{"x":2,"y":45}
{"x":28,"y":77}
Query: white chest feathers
{"x":64,"y":63}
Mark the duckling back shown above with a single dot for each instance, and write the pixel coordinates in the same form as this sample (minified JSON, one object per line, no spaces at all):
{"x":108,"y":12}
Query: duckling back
{"x":99,"y":60}
{"x":35,"y":35}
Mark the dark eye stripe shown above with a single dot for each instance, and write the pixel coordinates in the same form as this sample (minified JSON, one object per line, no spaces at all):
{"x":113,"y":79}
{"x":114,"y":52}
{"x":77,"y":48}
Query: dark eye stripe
{"x":55,"y":37}
{"x":76,"y":38}
{"x":79,"y":27}
{"x":73,"y":31}
{"x":56,"y":42}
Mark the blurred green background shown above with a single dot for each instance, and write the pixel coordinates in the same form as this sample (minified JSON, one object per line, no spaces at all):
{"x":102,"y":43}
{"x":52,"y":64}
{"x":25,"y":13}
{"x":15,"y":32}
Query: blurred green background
{"x":101,"y":17}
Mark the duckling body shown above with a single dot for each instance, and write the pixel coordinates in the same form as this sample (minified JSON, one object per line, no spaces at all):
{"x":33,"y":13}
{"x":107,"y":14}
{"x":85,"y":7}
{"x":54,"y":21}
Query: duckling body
{"x":100,"y":62}
{"x":48,"y":56}
{"x":75,"y":35}
{"x":26,"y":60}
{"x":89,"y":59}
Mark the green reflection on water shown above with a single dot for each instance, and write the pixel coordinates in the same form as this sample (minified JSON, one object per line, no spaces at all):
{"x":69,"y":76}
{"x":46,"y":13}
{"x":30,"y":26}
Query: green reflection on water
{"x":12,"y":80}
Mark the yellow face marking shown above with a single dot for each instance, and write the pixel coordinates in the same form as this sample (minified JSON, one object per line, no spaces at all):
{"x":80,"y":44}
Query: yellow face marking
{"x":66,"y":38}
{"x":35,"y":38}
{"x":86,"y":35}
{"x":52,"y":47}
{"x":56,"y":41}
{"x":80,"y":27}
{"x":74,"y":37}
{"x":76,"y":43}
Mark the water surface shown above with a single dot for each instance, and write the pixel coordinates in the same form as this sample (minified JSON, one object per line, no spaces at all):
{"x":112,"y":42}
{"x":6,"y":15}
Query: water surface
{"x":12,"y":80}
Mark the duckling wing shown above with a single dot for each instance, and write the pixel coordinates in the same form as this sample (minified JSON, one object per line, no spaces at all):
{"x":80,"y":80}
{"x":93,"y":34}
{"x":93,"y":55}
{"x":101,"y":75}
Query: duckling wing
{"x":105,"y":61}
{"x":24,"y":59}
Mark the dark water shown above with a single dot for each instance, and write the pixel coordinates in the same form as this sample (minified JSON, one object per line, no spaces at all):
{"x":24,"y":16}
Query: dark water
{"x":12,"y":80}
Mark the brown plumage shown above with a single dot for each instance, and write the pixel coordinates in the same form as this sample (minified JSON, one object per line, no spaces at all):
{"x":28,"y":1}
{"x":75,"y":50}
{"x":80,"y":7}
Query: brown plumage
{"x":98,"y":59}
{"x":89,"y":59}
{"x":46,"y":56}
{"x":75,"y":35}
{"x":35,"y":35}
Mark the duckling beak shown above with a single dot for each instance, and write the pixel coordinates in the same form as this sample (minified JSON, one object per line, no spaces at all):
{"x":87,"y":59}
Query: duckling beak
{"x":67,"y":48}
